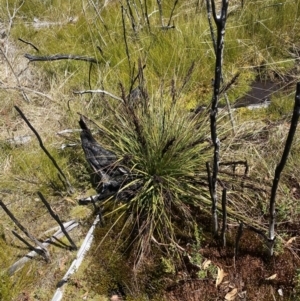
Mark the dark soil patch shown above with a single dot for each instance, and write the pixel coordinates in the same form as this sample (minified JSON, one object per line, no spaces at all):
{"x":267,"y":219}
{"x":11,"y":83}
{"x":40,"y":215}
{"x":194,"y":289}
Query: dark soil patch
{"x":248,"y":273}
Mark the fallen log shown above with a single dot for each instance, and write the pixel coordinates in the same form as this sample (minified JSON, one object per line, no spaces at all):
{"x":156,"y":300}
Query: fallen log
{"x":76,"y":262}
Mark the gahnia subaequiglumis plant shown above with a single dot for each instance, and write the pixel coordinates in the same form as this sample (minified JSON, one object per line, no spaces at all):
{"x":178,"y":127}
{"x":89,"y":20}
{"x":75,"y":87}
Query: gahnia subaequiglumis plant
{"x":165,"y":149}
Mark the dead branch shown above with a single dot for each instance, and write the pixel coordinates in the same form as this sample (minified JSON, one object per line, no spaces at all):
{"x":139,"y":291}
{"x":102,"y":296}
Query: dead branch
{"x":238,"y":238}
{"x":280,"y":166}
{"x":220,"y":21}
{"x":13,"y":15}
{"x":77,"y":262}
{"x":224,"y":212}
{"x":44,"y":149}
{"x":160,"y":12}
{"x":56,"y":57}
{"x":31,"y":247}
{"x":56,"y":236}
{"x":24,"y":230}
{"x":56,"y":217}
{"x":29,"y":43}
{"x":208,"y":7}
{"x":172,"y":12}
{"x":131,"y":17}
{"x":146,"y":15}
{"x":215,"y":46}
{"x":101,"y":92}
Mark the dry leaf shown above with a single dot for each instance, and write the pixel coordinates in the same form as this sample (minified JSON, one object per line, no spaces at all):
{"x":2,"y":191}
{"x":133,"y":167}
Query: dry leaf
{"x":206,"y":264}
{"x":280,"y":292}
{"x":231,"y":295}
{"x":272,"y":277}
{"x":221,"y":275}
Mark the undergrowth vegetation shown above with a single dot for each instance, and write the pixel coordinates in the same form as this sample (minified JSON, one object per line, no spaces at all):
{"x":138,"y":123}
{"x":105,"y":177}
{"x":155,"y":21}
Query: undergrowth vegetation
{"x":167,"y":150}
{"x":162,"y":135}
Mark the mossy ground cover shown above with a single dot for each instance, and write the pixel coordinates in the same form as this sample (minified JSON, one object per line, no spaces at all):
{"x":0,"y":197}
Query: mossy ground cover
{"x":261,"y":42}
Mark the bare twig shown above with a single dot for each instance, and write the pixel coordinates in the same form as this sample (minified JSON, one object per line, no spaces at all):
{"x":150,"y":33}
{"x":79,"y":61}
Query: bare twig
{"x":238,"y":238}
{"x":131,"y":17}
{"x":224,"y":212}
{"x":215,"y":46}
{"x":13,"y":15}
{"x":101,"y":92}
{"x":32,"y":248}
{"x":56,"y":217}
{"x":232,"y":81}
{"x":208,"y":7}
{"x":280,"y":166}
{"x":160,"y":12}
{"x":29,"y":43}
{"x":44,"y":149}
{"x":56,"y":57}
{"x":20,"y":263}
{"x":24,"y":230}
{"x":146,"y":15}
{"x":172,"y":12}
{"x":214,"y":210}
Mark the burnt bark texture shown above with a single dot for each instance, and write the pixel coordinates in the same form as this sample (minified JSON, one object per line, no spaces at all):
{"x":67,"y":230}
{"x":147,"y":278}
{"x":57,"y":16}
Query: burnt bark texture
{"x":280,"y":166}
{"x":220,"y":21}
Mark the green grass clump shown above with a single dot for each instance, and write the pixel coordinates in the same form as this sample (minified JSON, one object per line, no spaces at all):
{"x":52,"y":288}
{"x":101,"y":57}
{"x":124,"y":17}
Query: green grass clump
{"x":167,"y":151}
{"x":6,"y":283}
{"x":281,"y":106}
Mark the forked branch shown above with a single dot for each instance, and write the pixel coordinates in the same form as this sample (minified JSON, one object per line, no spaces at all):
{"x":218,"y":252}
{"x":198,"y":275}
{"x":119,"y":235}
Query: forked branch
{"x":220,"y":21}
{"x":45,"y":253}
{"x":56,"y":217}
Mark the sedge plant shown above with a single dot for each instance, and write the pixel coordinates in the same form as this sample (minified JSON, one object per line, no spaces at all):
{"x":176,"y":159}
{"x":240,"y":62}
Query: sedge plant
{"x":165,"y":148}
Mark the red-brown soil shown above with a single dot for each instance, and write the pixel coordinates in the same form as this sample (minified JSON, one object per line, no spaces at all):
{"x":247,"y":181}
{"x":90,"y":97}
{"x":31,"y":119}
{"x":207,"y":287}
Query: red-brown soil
{"x":248,"y":273}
